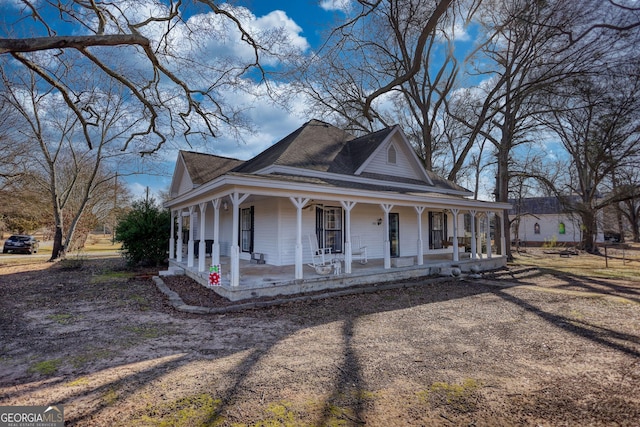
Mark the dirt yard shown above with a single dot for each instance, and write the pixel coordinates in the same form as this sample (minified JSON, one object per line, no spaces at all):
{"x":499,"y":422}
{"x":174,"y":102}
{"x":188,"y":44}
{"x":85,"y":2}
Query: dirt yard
{"x":539,"y":347}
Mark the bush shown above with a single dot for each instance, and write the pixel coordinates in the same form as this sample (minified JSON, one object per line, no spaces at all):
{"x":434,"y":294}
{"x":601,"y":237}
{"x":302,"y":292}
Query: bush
{"x":144,"y":232}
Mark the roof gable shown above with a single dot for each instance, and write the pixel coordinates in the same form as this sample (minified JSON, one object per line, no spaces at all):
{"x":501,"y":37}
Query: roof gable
{"x":392,"y":156}
{"x":194,"y":169}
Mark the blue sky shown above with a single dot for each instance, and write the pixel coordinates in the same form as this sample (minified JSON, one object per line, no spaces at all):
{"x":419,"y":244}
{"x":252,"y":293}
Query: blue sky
{"x":271,"y":122}
{"x":305,"y":21}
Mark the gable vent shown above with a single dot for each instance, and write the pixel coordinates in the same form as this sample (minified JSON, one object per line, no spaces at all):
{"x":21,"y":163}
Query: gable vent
{"x":391,"y":155}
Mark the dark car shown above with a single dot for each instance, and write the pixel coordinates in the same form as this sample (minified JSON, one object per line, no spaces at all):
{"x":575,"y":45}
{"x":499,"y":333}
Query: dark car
{"x":20,"y":243}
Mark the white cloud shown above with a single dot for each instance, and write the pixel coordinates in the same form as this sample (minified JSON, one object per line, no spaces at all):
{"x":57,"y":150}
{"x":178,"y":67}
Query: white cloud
{"x":336,"y":5}
{"x":12,"y":3}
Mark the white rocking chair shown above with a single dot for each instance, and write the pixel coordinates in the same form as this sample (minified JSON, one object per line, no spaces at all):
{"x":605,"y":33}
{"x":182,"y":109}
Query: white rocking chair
{"x":319,"y":261}
{"x":358,"y":251}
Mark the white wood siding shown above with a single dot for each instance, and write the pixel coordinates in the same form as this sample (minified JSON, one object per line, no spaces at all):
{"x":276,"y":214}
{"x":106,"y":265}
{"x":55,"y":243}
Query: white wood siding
{"x":265,"y":229}
{"x":185,"y":182}
{"x":550,"y":229}
{"x":275,"y":229}
{"x":404,"y":166}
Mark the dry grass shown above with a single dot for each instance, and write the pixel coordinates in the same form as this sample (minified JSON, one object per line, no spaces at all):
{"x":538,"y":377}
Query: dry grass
{"x":96,"y":245}
{"x":619,"y":263}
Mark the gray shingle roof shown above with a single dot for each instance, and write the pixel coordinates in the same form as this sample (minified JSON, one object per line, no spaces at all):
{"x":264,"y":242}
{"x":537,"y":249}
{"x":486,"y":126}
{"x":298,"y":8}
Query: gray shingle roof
{"x":313,"y":146}
{"x":205,"y":167}
{"x":316,"y":145}
{"x":541,"y":205}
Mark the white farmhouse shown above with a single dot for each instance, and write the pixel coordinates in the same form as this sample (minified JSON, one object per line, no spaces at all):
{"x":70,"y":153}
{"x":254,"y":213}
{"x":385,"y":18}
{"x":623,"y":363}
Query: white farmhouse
{"x":364,"y":207}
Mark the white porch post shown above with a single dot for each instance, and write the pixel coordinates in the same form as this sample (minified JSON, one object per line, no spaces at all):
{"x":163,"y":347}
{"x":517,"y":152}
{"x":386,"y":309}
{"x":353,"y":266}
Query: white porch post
{"x":387,"y":244}
{"x":190,"y":254}
{"x":201,"y":247}
{"x":172,"y":240}
{"x":299,"y":203}
{"x":488,"y":228}
{"x":236,"y":200}
{"x":474,"y":246}
{"x":503,"y":237}
{"x":456,"y":255}
{"x":347,"y":236}
{"x":215,"y":250}
{"x":420,"y":257}
{"x":180,"y":243}
{"x":479,"y":234}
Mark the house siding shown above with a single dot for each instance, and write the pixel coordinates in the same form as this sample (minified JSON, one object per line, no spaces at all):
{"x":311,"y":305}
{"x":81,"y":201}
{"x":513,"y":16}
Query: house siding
{"x":185,"y":182}
{"x":275,"y":229}
{"x":265,"y":230}
{"x":550,"y":229}
{"x":402,"y":168}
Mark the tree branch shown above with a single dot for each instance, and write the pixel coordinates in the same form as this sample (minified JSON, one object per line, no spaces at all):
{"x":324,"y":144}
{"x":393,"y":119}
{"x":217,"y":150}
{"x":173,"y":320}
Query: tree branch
{"x":427,"y":30}
{"x":34,"y":44}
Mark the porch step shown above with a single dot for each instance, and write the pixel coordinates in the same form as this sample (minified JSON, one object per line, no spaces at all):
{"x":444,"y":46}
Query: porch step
{"x":172,"y":271}
{"x":406,"y":261}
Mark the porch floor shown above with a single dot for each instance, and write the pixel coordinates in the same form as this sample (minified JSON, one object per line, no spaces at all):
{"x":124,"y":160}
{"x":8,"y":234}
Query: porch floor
{"x":258,"y":280}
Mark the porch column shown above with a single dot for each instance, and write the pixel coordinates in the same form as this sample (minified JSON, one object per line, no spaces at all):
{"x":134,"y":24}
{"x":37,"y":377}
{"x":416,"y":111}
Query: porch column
{"x":299,"y":203}
{"x":503,"y":237}
{"x":456,"y":255}
{"x":420,"y":257}
{"x":201,"y":247}
{"x":488,"y":228}
{"x":180,"y":243}
{"x":190,"y":254}
{"x":236,"y":200}
{"x":172,"y":240}
{"x":474,"y":246}
{"x":347,"y":236}
{"x":387,"y":244}
{"x":479,"y":235}
{"x":215,"y":250}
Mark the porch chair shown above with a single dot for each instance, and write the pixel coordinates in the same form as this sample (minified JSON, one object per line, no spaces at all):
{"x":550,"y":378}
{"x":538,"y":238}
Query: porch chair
{"x":318,"y":254}
{"x":358,"y":251}
{"x":319,"y":261}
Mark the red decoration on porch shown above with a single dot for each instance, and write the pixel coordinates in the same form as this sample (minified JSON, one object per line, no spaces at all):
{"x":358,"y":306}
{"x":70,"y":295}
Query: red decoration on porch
{"x":214,"y":275}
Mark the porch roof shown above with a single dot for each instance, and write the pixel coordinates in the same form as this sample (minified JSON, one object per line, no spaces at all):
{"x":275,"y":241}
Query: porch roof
{"x":282,"y":185}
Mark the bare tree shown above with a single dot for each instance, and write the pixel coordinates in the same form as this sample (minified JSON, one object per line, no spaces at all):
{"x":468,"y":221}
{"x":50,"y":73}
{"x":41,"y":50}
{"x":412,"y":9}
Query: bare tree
{"x":600,"y":130}
{"x":164,"y":61}
{"x":393,"y":62}
{"x":625,"y":187}
{"x":73,"y":173}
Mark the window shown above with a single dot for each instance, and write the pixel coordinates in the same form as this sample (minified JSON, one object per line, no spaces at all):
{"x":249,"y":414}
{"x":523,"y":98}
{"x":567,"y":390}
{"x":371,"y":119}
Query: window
{"x":246,"y":229}
{"x":437,"y":230}
{"x":561,"y":228}
{"x":536,"y":228}
{"x":391,"y":155}
{"x":467,"y":223}
{"x":329,"y":228}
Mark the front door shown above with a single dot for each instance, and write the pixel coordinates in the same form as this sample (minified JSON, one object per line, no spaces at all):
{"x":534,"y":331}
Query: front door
{"x":394,"y":234}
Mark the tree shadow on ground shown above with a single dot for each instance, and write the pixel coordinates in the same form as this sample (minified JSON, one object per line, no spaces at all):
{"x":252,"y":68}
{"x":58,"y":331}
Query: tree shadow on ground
{"x":622,"y":342}
{"x":44,"y":289}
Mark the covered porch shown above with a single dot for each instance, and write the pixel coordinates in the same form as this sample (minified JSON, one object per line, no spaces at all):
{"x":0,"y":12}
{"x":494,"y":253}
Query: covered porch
{"x":407,"y":235}
{"x":258,"y":280}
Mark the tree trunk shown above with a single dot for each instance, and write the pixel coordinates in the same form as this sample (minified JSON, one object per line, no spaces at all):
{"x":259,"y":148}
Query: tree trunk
{"x":58,"y":248}
{"x":502,"y":195}
{"x":620,"y":222}
{"x":589,"y":230}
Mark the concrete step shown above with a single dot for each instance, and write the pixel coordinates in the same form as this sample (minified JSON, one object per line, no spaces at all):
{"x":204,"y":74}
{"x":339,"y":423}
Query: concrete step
{"x":172,"y":271}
